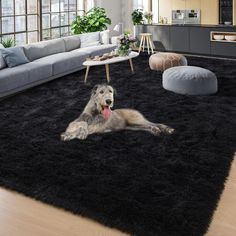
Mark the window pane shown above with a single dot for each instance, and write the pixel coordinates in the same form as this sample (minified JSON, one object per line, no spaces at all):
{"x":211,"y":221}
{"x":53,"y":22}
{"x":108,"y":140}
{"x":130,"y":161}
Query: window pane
{"x":7,"y":7}
{"x":72,"y":5}
{"x":32,"y":37}
{"x":19,"y":7}
{"x":32,"y":22}
{"x":72,"y":16}
{"x":46,"y":34}
{"x":64,"y":18}
{"x":64,"y":5}
{"x":45,"y":6}
{"x":21,"y":39}
{"x":55,"y":5}
{"x":32,"y":6}
{"x":55,"y":33}
{"x":64,"y":31}
{"x":55,"y":19}
{"x":46,"y":21}
{"x":20,"y":23}
{"x":7,"y":24}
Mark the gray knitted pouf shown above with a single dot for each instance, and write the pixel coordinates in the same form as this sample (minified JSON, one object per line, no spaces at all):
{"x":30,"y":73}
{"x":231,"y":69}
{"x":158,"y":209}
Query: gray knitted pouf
{"x":190,"y":80}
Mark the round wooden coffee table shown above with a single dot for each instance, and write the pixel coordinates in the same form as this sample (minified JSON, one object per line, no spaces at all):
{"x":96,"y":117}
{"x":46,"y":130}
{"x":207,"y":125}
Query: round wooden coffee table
{"x":107,"y":62}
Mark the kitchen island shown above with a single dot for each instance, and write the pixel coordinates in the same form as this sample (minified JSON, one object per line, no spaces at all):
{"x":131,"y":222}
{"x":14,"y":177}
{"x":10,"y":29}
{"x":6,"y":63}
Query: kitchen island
{"x":193,"y":39}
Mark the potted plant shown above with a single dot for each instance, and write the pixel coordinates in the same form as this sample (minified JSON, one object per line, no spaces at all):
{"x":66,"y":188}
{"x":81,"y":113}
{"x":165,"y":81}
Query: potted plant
{"x":148,"y":16}
{"x":8,"y":42}
{"x":137,"y":18}
{"x":94,"y":20}
{"x":124,"y":44}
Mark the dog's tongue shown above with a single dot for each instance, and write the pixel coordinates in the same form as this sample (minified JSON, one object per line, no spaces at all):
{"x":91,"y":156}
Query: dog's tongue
{"x":106,"y":113}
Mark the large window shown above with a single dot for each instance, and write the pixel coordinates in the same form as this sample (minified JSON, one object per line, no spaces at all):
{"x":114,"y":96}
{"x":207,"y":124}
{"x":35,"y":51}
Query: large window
{"x":19,"y":20}
{"x":29,"y":21}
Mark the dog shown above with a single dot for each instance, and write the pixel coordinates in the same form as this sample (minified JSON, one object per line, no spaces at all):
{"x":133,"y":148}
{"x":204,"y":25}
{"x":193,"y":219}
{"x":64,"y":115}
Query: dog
{"x":97,"y":117}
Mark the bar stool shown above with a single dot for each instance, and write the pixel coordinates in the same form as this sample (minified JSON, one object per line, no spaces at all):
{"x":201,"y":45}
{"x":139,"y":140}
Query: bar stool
{"x":146,"y":38}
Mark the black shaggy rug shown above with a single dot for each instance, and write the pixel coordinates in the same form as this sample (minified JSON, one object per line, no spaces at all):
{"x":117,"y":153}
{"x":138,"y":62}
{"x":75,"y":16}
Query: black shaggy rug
{"x":133,"y":181}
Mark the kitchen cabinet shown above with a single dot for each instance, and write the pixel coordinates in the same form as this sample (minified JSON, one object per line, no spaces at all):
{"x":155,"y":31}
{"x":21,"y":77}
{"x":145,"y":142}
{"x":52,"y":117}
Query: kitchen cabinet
{"x":199,"y":40}
{"x":179,"y":38}
{"x":223,"y":49}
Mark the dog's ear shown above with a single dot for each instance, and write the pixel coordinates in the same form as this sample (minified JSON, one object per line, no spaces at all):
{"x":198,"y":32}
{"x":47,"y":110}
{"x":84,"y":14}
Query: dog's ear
{"x":94,"y":90}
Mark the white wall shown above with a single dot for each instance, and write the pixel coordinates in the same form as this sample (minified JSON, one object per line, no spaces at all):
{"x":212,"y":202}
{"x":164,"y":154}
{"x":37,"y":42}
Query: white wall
{"x":113,"y":10}
{"x":119,"y":11}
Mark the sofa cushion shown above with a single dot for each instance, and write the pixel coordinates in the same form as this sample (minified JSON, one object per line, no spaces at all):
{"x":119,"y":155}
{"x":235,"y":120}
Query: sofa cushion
{"x":64,"y":62}
{"x":90,"y":39}
{"x":105,"y":36}
{"x":72,"y":42}
{"x":2,"y":61}
{"x":97,"y":50}
{"x":14,"y":56}
{"x":20,"y":76}
{"x":12,"y":78}
{"x":45,"y":48}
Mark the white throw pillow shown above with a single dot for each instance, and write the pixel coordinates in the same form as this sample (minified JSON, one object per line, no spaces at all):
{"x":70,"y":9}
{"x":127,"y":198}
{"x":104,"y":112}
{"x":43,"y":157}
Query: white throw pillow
{"x":105,"y":36}
{"x":2,"y":62}
{"x":89,"y":39}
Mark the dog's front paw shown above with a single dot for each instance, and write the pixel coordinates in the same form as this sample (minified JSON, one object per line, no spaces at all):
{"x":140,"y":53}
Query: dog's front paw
{"x":82,"y":133}
{"x":67,"y":136}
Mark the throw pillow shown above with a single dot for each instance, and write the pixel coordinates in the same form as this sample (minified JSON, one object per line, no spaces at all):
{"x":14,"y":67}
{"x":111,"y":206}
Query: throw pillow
{"x":105,"y":36}
{"x":90,"y":39}
{"x":14,"y":56}
{"x":2,"y":62}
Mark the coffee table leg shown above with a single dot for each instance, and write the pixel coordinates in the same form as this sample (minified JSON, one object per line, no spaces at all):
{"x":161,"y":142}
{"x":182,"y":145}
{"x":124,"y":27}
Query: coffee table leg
{"x":86,"y":74}
{"x":131,"y":65}
{"x":107,"y":72}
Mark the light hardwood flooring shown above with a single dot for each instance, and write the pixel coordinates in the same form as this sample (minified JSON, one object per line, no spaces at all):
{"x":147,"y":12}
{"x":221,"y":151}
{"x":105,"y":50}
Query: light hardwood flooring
{"x":23,"y":216}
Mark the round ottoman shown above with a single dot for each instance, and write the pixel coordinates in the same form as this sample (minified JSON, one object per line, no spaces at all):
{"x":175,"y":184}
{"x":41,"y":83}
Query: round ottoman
{"x":190,"y":80}
{"x":163,"y":60}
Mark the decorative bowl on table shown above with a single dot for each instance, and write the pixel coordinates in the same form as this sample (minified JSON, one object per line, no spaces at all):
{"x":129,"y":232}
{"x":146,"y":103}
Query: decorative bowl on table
{"x":218,"y":37}
{"x":230,"y":37}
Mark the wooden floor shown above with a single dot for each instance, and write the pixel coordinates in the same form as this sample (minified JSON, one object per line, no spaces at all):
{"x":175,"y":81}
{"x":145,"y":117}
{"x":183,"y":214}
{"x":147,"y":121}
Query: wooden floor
{"x":22,"y":216}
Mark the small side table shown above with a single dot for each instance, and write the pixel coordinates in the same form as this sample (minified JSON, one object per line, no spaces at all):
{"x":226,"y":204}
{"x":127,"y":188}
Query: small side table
{"x":146,"y":38}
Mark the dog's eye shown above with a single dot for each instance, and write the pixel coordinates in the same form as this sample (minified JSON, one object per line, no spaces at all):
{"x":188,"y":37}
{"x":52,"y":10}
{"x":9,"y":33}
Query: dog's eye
{"x":101,"y":91}
{"x":110,"y":91}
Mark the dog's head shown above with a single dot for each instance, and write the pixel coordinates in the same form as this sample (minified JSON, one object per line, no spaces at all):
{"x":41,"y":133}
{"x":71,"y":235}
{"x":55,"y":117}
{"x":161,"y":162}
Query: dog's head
{"x":103,"y":97}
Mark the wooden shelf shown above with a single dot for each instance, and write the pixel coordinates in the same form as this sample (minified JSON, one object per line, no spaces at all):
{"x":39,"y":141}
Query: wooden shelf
{"x":212,"y":33}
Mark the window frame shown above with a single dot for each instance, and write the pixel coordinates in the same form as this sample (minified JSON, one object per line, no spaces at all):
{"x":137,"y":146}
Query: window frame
{"x":39,"y":14}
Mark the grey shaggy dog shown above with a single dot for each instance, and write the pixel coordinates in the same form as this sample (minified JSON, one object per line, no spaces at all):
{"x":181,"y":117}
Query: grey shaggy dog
{"x":98,"y":117}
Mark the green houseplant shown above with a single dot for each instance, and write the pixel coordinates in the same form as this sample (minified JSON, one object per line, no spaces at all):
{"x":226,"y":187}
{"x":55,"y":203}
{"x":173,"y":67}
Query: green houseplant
{"x":137,"y":16}
{"x":8,"y":42}
{"x":94,"y":20}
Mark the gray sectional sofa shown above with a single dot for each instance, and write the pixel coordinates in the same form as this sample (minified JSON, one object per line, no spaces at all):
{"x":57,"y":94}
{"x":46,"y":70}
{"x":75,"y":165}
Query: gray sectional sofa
{"x":51,"y":59}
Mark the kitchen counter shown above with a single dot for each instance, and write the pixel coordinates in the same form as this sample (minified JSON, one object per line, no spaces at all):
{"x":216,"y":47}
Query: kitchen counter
{"x":191,"y":38}
{"x":193,"y":25}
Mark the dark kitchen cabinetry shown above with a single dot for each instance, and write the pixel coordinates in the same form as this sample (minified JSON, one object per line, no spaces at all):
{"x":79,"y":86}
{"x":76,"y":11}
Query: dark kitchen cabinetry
{"x":199,"y":40}
{"x":179,"y":39}
{"x":226,"y":11}
{"x":195,"y":39}
{"x":223,"y":49}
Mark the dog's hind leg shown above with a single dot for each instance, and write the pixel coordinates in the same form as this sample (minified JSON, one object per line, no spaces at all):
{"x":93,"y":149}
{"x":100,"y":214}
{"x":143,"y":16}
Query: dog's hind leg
{"x":136,"y":121}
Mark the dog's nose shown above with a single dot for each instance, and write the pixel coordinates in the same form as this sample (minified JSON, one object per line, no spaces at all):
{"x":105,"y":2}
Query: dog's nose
{"x":108,"y":101}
